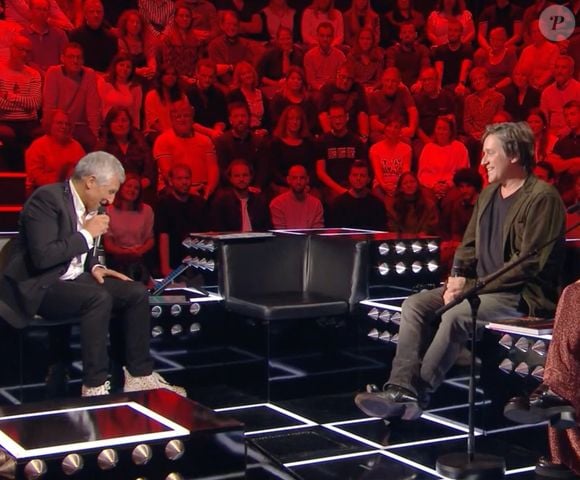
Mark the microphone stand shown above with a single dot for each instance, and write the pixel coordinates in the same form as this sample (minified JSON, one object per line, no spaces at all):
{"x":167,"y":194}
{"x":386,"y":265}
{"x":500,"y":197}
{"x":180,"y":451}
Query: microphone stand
{"x":471,"y":465}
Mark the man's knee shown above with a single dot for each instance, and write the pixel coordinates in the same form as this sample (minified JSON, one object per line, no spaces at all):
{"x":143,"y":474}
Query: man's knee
{"x":135,"y":293}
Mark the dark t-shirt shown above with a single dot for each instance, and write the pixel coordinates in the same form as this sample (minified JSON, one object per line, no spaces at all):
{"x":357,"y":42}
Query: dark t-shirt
{"x":430,"y":108}
{"x":354,"y":101}
{"x":568,"y":146}
{"x":382,"y":106}
{"x":452,"y":62}
{"x":350,"y":212}
{"x":340,"y":153}
{"x":501,"y":17}
{"x":209,"y":106}
{"x":282,"y":156}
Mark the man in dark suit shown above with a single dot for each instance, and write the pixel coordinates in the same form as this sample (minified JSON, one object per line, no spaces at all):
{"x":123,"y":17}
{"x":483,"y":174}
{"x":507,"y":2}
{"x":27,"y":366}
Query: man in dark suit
{"x":54,"y":272}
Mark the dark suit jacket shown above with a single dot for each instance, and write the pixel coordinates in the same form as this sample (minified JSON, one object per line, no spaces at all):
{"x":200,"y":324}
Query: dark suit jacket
{"x":47,"y":242}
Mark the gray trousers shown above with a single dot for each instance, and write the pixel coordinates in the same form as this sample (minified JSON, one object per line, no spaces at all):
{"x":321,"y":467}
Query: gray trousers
{"x":428,"y":347}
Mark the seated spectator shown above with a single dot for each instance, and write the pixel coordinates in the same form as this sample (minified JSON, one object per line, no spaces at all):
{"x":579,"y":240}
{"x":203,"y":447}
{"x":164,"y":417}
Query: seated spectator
{"x":367,"y":59}
{"x":229,"y":49}
{"x":119,"y":88}
{"x":177,"y":214}
{"x":158,"y":101}
{"x":317,"y":13}
{"x":19,"y":11}
{"x":411,"y":209}
{"x":237,"y":209}
{"x":453,"y":60}
{"x":343,"y":90}
{"x":245,"y":90}
{"x":129,"y":240}
{"x":276,"y":16}
{"x":157,"y":15}
{"x":239,"y":142}
{"x":545,"y":140}
{"x":8,"y":30}
{"x":208,"y":101}
{"x":247,"y":11}
{"x":442,"y":158}
{"x":438,"y":22}
{"x":295,"y":92}
{"x":502,"y":14}
{"x":290,"y":145}
{"x":538,"y":58}
{"x":72,"y":87}
{"x":322,"y":61}
{"x":179,"y":45}
{"x":408,"y":56}
{"x":357,"y":208}
{"x":136,"y":41}
{"x":555,"y":95}
{"x":275,"y":63}
{"x":530,"y":14}
{"x":360,"y":15}
{"x":544,"y":171}
{"x":52,"y":157}
{"x":389,"y":158}
{"x":20,"y":99}
{"x":98,"y":43}
{"x":296,"y":208}
{"x":566,"y":154}
{"x":47,"y":41}
{"x":124,"y":141}
{"x":204,"y":20}
{"x":182,"y":145}
{"x":402,"y":12}
{"x":498,"y":60}
{"x":337,"y":150}
{"x":519,"y":96}
{"x":394,"y":98}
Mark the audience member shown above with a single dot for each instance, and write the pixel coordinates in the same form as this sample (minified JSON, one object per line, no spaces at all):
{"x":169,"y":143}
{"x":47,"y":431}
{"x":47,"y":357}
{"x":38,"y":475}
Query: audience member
{"x":276,"y":16}
{"x":390,"y":158}
{"x":317,"y":13}
{"x":204,"y":20}
{"x":208,"y":101}
{"x":502,"y":14}
{"x":119,"y":88}
{"x":530,"y":14}
{"x":248,"y":14}
{"x":562,"y":90}
{"x":297,"y":208}
{"x":438,"y":22}
{"x":237,"y":208}
{"x":498,"y":59}
{"x":245,"y":90}
{"x":394,"y":98}
{"x":356,"y":207}
{"x":566,"y":154}
{"x":125,"y":142}
{"x":47,"y":41}
{"x":519,"y":96}
{"x":545,"y":140}
{"x":322,"y":61}
{"x":19,"y":11}
{"x":129,"y":241}
{"x":182,"y":145}
{"x":360,"y":15}
{"x":367,"y":59}
{"x":8,"y":30}
{"x":72,"y":87}
{"x":408,"y":55}
{"x":20,"y":99}
{"x":402,"y":12}
{"x":98,"y":43}
{"x":351,"y":95}
{"x":52,"y":157}
{"x":229,"y":49}
{"x":337,"y":150}
{"x":538,"y":58}
{"x":177,"y":214}
{"x":157,"y":15}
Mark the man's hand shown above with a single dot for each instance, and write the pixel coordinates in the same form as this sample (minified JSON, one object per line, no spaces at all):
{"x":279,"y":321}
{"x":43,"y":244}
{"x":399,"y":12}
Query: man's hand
{"x":453,"y":288}
{"x":99,"y":274}
{"x":98,"y":225}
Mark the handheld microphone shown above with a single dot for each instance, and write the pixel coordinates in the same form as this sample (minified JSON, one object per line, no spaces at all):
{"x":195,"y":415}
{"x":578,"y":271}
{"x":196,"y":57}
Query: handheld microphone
{"x":573,"y":208}
{"x":100,"y":211}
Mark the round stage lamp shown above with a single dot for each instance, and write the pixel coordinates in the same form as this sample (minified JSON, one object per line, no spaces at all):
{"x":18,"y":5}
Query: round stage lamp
{"x":35,"y":469}
{"x":174,"y":476}
{"x":156,"y":311}
{"x":400,"y":268}
{"x":416,"y":267}
{"x":174,"y":449}
{"x":416,"y":247}
{"x":432,"y":246}
{"x":373,"y":334}
{"x":373,"y":313}
{"x":194,"y":308}
{"x":384,"y":249}
{"x":72,"y":463}
{"x":141,"y":454}
{"x":383,"y":269}
{"x":108,"y":459}
{"x":156,"y":331}
{"x":195,"y":328}
{"x":400,"y":248}
{"x":175,"y":310}
{"x":385,"y":316}
{"x":176,"y":329}
{"x":432,"y":266}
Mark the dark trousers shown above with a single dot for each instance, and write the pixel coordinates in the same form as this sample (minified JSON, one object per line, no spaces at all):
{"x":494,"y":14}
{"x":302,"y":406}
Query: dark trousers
{"x":94,"y":305}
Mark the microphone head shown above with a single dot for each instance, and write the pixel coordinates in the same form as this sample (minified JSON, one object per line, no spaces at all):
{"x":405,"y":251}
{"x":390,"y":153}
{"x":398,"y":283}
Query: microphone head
{"x":102,"y":210}
{"x":573,"y":208}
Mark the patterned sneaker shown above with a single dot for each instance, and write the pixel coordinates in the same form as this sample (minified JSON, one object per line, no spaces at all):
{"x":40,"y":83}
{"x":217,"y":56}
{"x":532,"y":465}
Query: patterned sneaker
{"x":149,"y":382}
{"x":96,"y":391}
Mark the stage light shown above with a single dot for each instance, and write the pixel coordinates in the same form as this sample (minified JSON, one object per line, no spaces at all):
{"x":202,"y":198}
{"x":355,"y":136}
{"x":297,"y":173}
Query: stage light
{"x":400,"y":248}
{"x":176,"y":329}
{"x":174,"y":476}
{"x":432,"y":266}
{"x":194,"y":308}
{"x":538,"y":373}
{"x":385,"y":336}
{"x":156,"y":311}
{"x":374,"y":313}
{"x":195,"y":328}
{"x":432,"y":246}
{"x":108,"y":459}
{"x":175,"y":310}
{"x":156,"y":331}
{"x":506,"y":341}
{"x":540,"y":347}
{"x":374,"y":334}
{"x":395,"y":338}
{"x":72,"y":464}
{"x":400,"y":268}
{"x":416,"y":247}
{"x":383,"y":269}
{"x":416,"y":267}
{"x":384,"y":249}
{"x":35,"y":469}
{"x":385,"y":316}
{"x":141,"y":454}
{"x":174,"y":449}
{"x":396,"y":318}
{"x":506,"y":366}
{"x":523,"y":369}
{"x":523,"y":344}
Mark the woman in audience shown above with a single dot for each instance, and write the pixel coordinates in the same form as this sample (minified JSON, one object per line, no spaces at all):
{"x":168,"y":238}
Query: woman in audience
{"x":129,"y":240}
{"x":545,"y":140}
{"x":118,"y":88}
{"x":135,"y":41}
{"x":295,"y":92}
{"x":441,"y":158}
{"x":158,"y":101}
{"x":367,"y":59}
{"x":179,"y":45}
{"x":245,"y":90}
{"x":121,"y":139}
{"x":276,"y":15}
{"x":499,"y":60}
{"x":520,"y":97}
{"x":291,"y":145}
{"x":437,"y":22}
{"x":360,"y":15}
{"x":317,"y":12}
{"x":411,"y":210}
{"x":402,"y":12}
{"x":52,"y":157}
